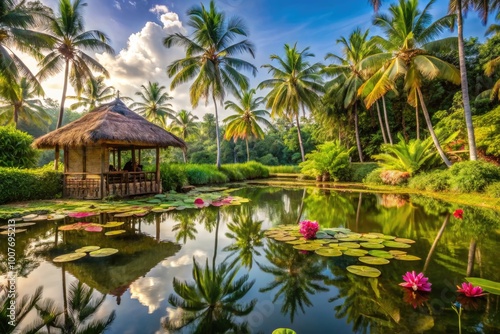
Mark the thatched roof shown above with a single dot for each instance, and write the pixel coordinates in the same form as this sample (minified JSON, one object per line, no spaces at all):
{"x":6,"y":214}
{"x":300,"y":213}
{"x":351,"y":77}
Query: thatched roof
{"x":113,"y":124}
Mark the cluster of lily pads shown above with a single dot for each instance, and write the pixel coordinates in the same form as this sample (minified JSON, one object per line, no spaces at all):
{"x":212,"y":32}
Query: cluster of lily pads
{"x":92,"y":251}
{"x":370,"y":248}
{"x":93,"y":227}
{"x":29,"y":220}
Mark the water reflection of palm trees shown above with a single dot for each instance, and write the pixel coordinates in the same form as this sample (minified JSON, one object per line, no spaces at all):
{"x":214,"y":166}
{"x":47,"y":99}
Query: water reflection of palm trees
{"x":22,"y":307}
{"x":247,"y":235}
{"x":186,"y":227}
{"x":296,"y":275}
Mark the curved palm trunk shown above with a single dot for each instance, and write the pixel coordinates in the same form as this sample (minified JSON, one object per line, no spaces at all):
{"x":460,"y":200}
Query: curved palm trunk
{"x":471,"y":257}
{"x":184,"y":156}
{"x":300,"y":138}
{"x":465,"y":84}
{"x":63,"y":98}
{"x":434,"y":244}
{"x":386,"y":120}
{"x":217,"y":132}
{"x":358,"y":141}
{"x":380,"y":123}
{"x":16,"y":116}
{"x":216,"y":240}
{"x":431,"y":129}
{"x":417,"y":122}
{"x":248,"y":151}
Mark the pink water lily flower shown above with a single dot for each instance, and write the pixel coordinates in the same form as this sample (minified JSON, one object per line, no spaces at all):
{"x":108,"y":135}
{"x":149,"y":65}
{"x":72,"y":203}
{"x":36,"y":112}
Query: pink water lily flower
{"x":470,"y":290}
{"x":459,"y":214}
{"x":308,"y":229}
{"x":416,"y":282}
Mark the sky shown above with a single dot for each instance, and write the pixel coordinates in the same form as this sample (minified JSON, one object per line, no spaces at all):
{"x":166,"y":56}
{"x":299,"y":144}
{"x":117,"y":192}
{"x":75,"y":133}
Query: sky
{"x":137,"y":29}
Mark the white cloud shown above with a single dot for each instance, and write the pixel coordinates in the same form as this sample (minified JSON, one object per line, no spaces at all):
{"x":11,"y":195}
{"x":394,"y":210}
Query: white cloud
{"x":149,"y":291}
{"x":184,"y":260}
{"x":159,"y":9}
{"x":133,"y":3}
{"x":117,"y":5}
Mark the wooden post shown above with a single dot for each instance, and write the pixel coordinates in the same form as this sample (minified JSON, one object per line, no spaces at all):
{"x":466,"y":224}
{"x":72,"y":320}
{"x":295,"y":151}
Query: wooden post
{"x":103,"y":151}
{"x":133,"y":159}
{"x":66,"y":168}
{"x":84,"y":158}
{"x":114,"y":160}
{"x":139,"y":157}
{"x":158,"y":182}
{"x":56,"y":159}
{"x":119,"y":160}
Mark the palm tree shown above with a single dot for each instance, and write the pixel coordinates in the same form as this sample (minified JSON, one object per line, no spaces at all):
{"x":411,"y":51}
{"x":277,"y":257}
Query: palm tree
{"x":210,"y":58}
{"x":18,"y":102}
{"x":23,"y":306}
{"x":410,"y":35}
{"x":94,"y":93}
{"x":245,"y":122}
{"x":154,"y":107}
{"x":70,"y":40}
{"x":15,"y":21}
{"x":349,"y":74}
{"x":184,"y":124}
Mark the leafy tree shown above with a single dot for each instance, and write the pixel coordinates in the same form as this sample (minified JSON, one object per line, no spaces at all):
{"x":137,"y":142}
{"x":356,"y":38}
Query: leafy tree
{"x":154,"y":106}
{"x":184,"y":125}
{"x":18,"y":102}
{"x":349,"y":74}
{"x":410,"y":36}
{"x":94,"y":94}
{"x":15,"y":148}
{"x":70,"y":39}
{"x":210,"y":58}
{"x":245,"y":122}
{"x":295,"y":84}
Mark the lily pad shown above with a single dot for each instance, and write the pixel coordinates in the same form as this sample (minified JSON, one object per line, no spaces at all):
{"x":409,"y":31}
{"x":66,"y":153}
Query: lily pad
{"x":38,"y":218}
{"x":487,"y":285}
{"x":350,"y":245}
{"x":16,"y":231}
{"x":284,"y":331}
{"x":380,"y":253}
{"x":124,"y":214}
{"x":296,"y":242}
{"x":87,"y":249}
{"x":339,"y":247}
{"x":29,"y":217}
{"x":396,"y":252}
{"x":81,"y":214}
{"x":372,"y":245}
{"x":4,"y":227}
{"x":93,"y":228}
{"x":373,"y":260}
{"x":103,"y":252}
{"x":113,"y":224}
{"x":55,"y":217}
{"x":307,"y":247}
{"x":404,"y":240}
{"x":69,"y":257}
{"x":115,"y":232}
{"x":364,"y":271}
{"x":355,"y":252}
{"x":328,"y":252}
{"x":395,"y":244}
{"x":286,"y":238}
{"x":407,"y":257}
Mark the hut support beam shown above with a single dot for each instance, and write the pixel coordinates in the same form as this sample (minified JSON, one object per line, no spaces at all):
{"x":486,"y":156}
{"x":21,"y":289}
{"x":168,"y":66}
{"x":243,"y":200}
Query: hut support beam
{"x":84,"y":161}
{"x":103,"y":158}
{"x":119,"y":160}
{"x":56,"y":159}
{"x":158,"y":181}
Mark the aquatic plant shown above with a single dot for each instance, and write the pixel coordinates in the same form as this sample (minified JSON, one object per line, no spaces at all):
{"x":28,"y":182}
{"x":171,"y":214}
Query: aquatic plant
{"x":308,"y":229}
{"x":470,"y":290}
{"x":459,"y":214}
{"x":416,"y":282}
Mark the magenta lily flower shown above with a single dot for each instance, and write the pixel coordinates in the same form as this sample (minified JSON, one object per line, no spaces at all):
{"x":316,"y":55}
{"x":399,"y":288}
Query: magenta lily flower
{"x":308,"y":229}
{"x":470,"y":290}
{"x":459,"y":214}
{"x":416,"y":282}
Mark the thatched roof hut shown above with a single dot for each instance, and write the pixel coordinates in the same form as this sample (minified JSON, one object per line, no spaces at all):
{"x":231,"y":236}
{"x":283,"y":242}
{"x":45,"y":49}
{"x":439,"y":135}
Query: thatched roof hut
{"x":112,"y":124}
{"x":110,"y":129}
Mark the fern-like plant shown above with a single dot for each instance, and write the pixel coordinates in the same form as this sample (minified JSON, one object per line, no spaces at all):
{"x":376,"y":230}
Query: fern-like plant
{"x":330,"y":158}
{"x":411,"y":156}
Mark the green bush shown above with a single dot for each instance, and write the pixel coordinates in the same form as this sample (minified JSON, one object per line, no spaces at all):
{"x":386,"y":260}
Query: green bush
{"x":374,"y":177}
{"x":269,"y":160}
{"x":330,"y":158}
{"x":29,"y":184}
{"x":173,"y":177}
{"x":434,"y":181}
{"x":15,"y":148}
{"x":233,"y":172}
{"x":204,"y":174}
{"x":361,"y":169}
{"x":469,"y":176}
{"x":493,"y":189}
{"x":284,"y":169}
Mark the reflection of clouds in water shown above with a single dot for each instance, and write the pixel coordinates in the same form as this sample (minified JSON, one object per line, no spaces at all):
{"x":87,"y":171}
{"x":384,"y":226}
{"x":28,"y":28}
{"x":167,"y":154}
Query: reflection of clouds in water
{"x":150,"y":291}
{"x":174,"y":316}
{"x":184,"y":260}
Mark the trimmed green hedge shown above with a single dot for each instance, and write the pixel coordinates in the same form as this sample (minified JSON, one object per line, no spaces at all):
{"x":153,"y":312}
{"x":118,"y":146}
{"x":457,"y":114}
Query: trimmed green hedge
{"x":175,"y":176}
{"x":29,"y":184}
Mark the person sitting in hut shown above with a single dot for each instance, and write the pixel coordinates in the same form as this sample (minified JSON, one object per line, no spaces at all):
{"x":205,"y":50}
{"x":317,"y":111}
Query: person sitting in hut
{"x":129,"y":166}
{"x":112,"y":168}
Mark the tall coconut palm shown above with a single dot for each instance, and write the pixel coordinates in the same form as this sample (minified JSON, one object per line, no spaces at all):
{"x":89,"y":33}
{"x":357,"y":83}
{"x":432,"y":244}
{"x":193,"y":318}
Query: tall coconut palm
{"x":295,"y":84}
{"x":70,"y":40}
{"x":154,"y":106}
{"x":184,"y":124}
{"x":211,"y":58}
{"x":16,"y":19}
{"x":348,"y":73}
{"x":18,"y":102}
{"x":410,"y":35}
{"x":94,"y":93}
{"x":245,"y":122}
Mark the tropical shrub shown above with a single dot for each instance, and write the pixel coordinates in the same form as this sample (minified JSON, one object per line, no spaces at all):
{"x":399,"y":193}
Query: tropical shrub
{"x":409,"y":157}
{"x":437,"y":180}
{"x":29,"y":184}
{"x":394,"y":177}
{"x":468,"y":176}
{"x":204,"y":174}
{"x":15,"y":148}
{"x":173,"y":177}
{"x":488,"y":132}
{"x":330,"y":158}
{"x":373,"y":177}
{"x":361,"y":169}
{"x":493,"y":189}
{"x":284,"y":169}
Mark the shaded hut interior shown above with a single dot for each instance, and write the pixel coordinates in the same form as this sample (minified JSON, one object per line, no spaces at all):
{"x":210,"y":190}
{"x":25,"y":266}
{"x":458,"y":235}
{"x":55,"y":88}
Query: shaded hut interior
{"x":103,"y":153}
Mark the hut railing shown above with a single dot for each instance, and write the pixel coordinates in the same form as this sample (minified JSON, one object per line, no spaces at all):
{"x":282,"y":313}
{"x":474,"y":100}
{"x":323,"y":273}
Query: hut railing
{"x":121,"y":183}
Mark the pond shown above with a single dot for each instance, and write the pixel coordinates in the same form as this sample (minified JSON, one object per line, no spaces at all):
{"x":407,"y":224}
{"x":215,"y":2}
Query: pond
{"x":276,"y":285}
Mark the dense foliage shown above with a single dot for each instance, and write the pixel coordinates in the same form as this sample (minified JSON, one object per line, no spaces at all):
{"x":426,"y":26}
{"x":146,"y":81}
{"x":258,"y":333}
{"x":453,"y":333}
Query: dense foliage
{"x":15,"y":148}
{"x":330,"y":161}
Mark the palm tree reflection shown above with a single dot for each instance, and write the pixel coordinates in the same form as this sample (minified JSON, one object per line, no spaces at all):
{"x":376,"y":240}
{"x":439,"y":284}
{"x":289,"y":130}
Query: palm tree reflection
{"x":296,"y":274}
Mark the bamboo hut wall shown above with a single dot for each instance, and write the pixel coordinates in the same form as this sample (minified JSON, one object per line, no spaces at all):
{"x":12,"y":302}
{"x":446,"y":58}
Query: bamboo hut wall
{"x":93,"y":158}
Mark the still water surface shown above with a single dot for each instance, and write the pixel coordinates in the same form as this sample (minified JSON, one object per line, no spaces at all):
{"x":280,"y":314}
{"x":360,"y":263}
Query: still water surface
{"x":298,"y":290}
